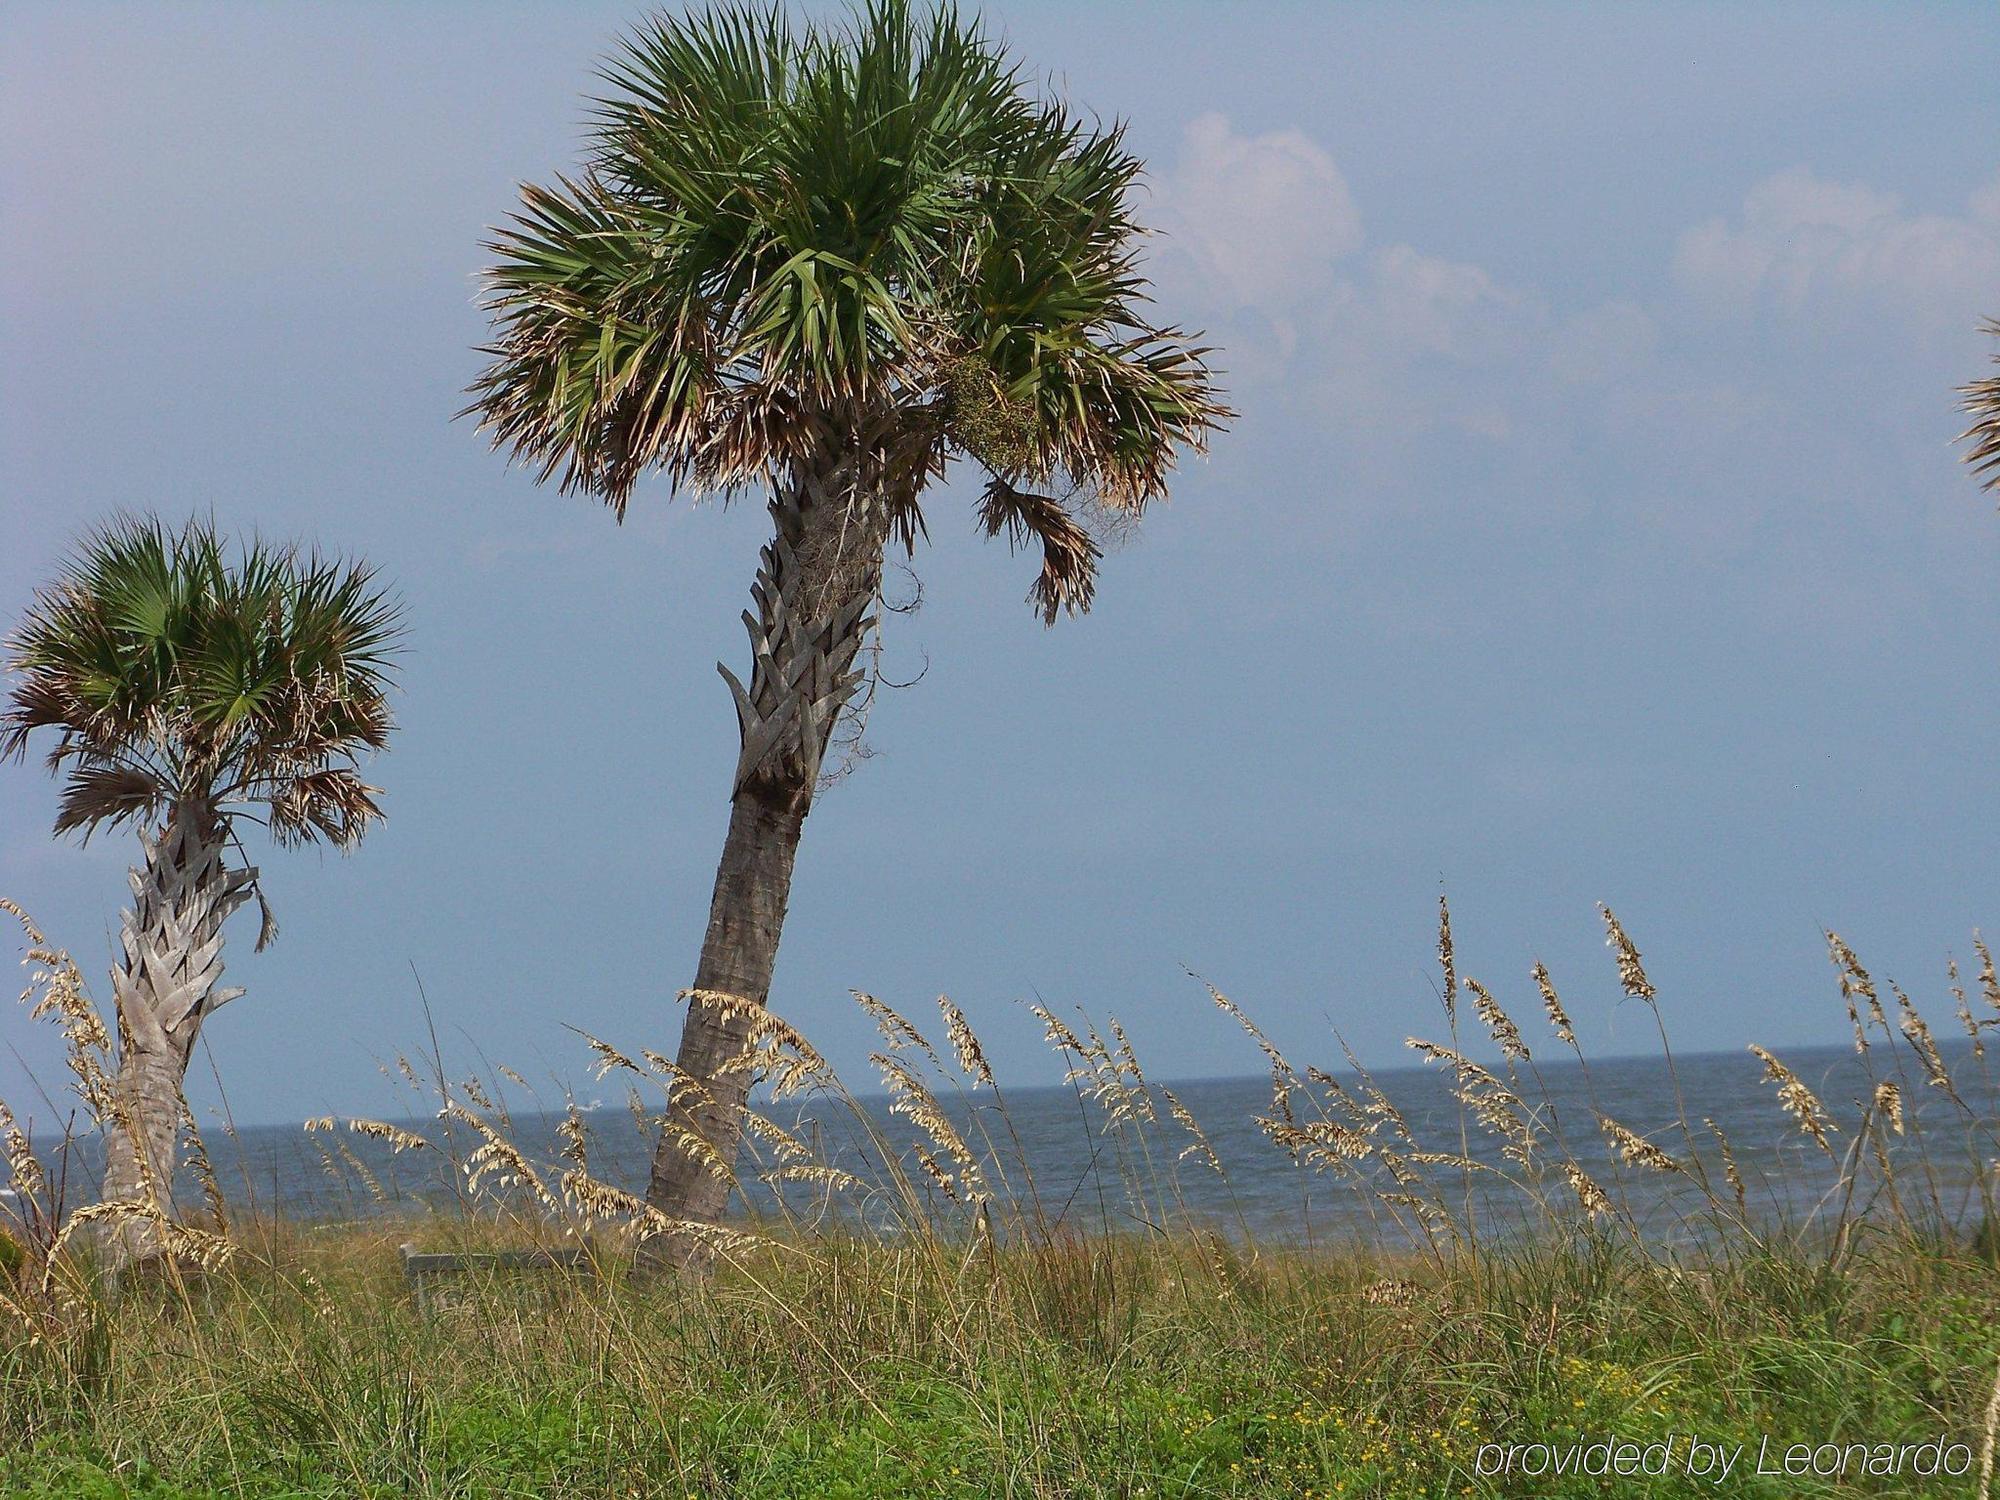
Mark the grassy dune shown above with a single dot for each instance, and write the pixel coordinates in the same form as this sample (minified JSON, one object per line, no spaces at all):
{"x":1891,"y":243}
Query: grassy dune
{"x":965,"y":1346}
{"x":1088,"y":1367}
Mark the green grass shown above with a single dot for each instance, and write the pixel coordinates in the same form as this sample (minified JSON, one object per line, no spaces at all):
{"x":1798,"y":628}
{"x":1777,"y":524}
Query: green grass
{"x":1094,"y":1367}
{"x":964,"y":1348}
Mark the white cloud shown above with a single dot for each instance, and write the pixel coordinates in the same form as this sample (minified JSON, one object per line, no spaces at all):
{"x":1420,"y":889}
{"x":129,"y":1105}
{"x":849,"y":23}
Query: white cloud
{"x":1263,"y":217}
{"x":1806,"y":243}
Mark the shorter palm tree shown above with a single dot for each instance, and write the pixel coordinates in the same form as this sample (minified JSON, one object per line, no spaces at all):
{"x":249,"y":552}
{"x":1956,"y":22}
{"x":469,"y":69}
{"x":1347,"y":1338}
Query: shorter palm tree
{"x":192,"y":690}
{"x":1982,"y":403}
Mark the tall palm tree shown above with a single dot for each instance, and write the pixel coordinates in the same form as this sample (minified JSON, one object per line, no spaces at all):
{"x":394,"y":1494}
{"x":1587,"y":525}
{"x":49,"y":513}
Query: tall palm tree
{"x":1982,"y":403}
{"x":192,"y":690}
{"x":828,"y":262}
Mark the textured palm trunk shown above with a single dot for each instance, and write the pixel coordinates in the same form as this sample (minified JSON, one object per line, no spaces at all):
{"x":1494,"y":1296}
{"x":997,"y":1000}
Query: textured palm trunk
{"x":820,"y":575}
{"x":166,"y":984}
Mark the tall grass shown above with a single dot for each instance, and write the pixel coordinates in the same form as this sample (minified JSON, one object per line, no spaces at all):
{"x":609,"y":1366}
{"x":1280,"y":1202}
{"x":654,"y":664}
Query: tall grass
{"x":906,"y":1307}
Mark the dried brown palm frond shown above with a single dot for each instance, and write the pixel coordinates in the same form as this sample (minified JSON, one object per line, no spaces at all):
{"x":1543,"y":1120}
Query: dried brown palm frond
{"x":1981,"y":401}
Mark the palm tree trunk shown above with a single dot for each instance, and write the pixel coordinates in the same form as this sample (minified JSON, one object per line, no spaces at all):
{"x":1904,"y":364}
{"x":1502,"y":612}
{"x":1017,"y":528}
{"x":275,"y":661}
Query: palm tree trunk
{"x":165,"y":983}
{"x":820,"y":575}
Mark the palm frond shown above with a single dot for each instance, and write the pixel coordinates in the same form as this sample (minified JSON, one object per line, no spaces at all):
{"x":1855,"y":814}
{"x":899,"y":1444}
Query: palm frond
{"x":1981,"y":401}
{"x":1068,"y":578}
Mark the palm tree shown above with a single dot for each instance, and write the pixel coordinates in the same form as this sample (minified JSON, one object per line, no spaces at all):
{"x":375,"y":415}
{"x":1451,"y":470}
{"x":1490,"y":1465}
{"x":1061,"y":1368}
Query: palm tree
{"x":1982,"y":403}
{"x":826,"y":263}
{"x":192,"y":691}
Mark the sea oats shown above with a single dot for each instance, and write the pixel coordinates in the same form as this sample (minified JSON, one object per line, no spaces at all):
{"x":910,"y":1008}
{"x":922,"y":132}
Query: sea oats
{"x":1447,"y":962}
{"x":964,"y":1043}
{"x":1588,"y":1193}
{"x":1889,"y":1104}
{"x":598,"y":1200}
{"x":360,"y":1169}
{"x":1229,"y":1007}
{"x":1059,"y":1035}
{"x":1631,"y":972}
{"x":1855,"y":982}
{"x":1390,"y":1291}
{"x":1497,"y":1108}
{"x":786,"y":1146}
{"x":22,"y":1163}
{"x":573,"y":1137}
{"x":915,"y":1103}
{"x":1796,"y":1099}
{"x":1918,"y":1034}
{"x":819,"y":1174}
{"x":1505,"y":1033}
{"x":399,"y":1140}
{"x":1962,"y":1007}
{"x":1729,"y":1170}
{"x":1989,"y":980}
{"x":1634,"y":1150}
{"x":1200,"y":1144}
{"x":699,"y":1148}
{"x":1553,"y":1006}
{"x":896,"y":1031}
{"x":609,"y":1057}
{"x":496,"y":1160}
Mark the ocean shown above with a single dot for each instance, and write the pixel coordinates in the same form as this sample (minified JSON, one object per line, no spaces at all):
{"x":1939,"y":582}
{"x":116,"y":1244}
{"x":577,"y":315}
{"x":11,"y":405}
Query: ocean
{"x":1091,"y":1174}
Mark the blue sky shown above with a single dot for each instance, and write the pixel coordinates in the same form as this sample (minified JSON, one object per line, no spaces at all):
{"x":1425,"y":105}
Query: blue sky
{"x":1592,"y":531}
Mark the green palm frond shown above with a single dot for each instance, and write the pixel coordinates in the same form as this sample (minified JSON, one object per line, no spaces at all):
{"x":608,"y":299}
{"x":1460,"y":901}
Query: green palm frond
{"x":1982,"y":403}
{"x":169,"y":667}
{"x":792,"y":238}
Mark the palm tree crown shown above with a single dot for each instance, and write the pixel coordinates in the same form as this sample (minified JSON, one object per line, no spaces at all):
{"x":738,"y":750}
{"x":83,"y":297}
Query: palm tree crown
{"x":174,"y":671}
{"x":867,"y":241}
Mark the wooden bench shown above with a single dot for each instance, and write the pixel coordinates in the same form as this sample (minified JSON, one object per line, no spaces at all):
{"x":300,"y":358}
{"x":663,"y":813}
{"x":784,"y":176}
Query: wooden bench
{"x":421,"y":1269}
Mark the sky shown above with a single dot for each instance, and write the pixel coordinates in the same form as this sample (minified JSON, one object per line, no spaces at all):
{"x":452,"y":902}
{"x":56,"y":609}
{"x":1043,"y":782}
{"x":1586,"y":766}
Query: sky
{"x":1591,"y":531}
